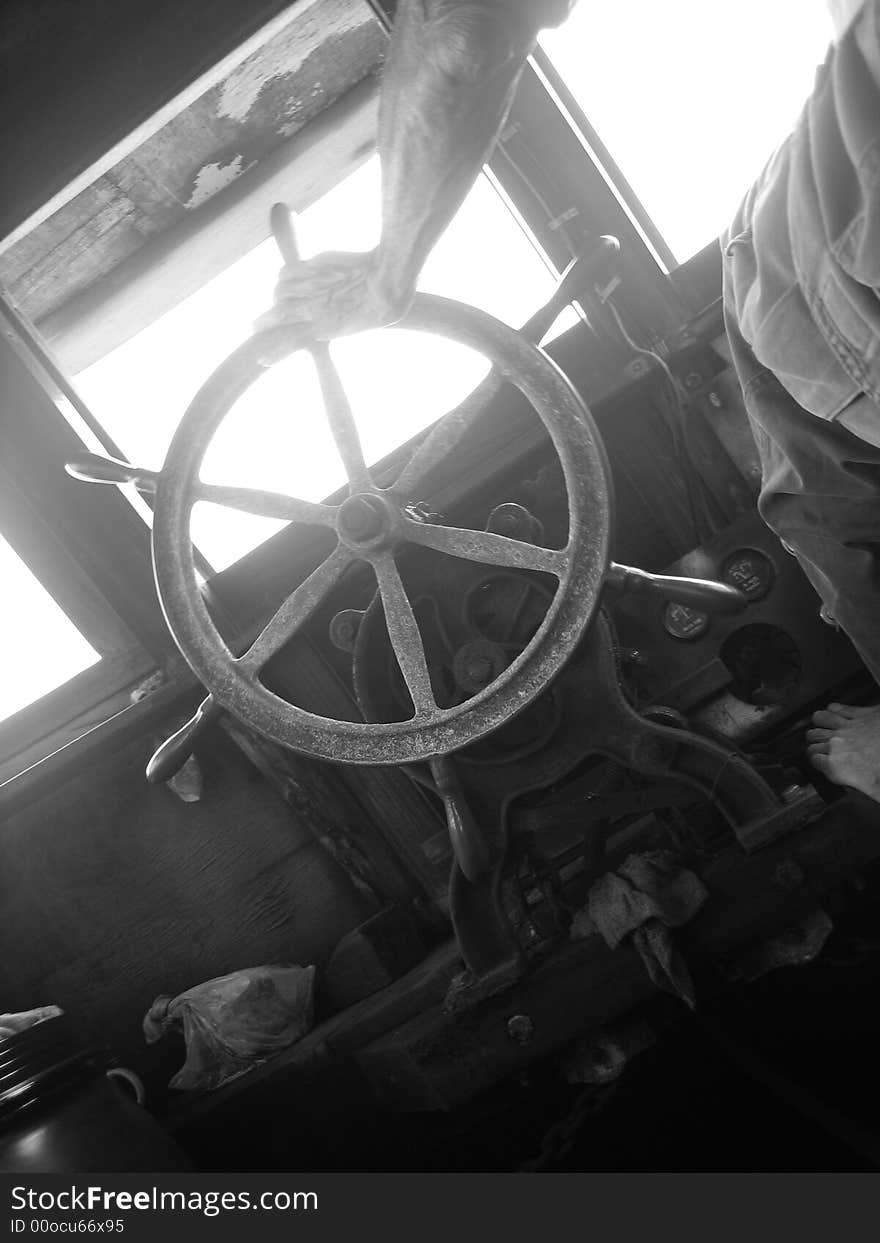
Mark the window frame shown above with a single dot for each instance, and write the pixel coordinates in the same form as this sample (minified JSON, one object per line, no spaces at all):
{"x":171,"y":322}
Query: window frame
{"x":86,"y":546}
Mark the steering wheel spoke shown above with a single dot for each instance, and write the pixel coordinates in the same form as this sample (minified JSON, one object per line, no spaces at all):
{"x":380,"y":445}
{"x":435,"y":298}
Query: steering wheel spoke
{"x":340,"y":418}
{"x":403,"y":631}
{"x":267,"y":504}
{"x":487,"y":548}
{"x":296,"y":610}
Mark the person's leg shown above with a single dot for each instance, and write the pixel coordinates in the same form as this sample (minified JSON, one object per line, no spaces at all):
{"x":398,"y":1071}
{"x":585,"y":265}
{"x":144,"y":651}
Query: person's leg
{"x":821,"y":495}
{"x":801,"y":271}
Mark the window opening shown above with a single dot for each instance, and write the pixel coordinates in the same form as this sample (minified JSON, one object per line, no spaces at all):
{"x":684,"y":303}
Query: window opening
{"x":690,"y":98}
{"x":43,"y":649}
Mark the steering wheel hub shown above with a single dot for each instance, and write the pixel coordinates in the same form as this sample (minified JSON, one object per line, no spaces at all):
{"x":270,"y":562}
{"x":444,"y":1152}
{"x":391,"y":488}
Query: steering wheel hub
{"x":367,"y":521}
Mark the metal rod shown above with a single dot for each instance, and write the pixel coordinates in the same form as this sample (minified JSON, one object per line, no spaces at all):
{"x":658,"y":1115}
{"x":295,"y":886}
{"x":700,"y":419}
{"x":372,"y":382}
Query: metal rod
{"x":604,"y":157}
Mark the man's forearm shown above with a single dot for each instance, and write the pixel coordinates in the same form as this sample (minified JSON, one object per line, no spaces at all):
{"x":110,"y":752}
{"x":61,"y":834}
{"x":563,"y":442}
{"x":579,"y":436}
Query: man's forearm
{"x":450,"y":77}
{"x":448,"y":83}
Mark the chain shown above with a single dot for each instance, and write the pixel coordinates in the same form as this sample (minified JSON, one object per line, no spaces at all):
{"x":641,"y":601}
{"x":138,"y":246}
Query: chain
{"x":560,"y":1137}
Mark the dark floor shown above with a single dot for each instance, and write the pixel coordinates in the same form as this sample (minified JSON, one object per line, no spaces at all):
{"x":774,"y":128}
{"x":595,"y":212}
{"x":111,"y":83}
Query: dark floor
{"x":776,"y":1075}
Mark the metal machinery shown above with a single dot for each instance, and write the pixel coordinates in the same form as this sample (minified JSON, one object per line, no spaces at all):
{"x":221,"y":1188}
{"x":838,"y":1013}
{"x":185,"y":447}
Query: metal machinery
{"x":567,"y":711}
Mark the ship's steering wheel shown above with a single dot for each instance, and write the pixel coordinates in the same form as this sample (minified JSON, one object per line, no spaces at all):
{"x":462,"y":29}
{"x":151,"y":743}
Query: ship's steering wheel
{"x":371,"y":525}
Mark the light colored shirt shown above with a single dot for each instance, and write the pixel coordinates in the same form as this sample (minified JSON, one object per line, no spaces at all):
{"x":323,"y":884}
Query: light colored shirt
{"x":843,"y":13}
{"x":802,"y":257}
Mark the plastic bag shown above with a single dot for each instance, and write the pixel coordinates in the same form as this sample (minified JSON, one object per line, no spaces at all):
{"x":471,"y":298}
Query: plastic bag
{"x":232,"y":1023}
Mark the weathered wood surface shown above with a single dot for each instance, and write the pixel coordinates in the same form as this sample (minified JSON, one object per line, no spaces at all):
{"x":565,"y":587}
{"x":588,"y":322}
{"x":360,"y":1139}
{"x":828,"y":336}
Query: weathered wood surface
{"x":334,"y":817}
{"x":324,"y":48}
{"x":78,"y":81}
{"x":112,"y":892}
{"x":145,"y":283}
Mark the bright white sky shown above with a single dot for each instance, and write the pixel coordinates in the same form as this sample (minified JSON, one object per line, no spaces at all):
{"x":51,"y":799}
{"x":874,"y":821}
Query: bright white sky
{"x":691,"y":96}
{"x":707,"y":91}
{"x":42,"y":647}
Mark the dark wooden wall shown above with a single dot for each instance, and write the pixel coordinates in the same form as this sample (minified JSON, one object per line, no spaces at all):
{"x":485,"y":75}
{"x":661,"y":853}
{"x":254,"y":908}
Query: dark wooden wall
{"x":112,"y":892}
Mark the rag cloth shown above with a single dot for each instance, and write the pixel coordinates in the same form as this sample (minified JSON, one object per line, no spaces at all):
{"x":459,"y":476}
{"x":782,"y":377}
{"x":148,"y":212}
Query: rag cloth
{"x":647,"y":896}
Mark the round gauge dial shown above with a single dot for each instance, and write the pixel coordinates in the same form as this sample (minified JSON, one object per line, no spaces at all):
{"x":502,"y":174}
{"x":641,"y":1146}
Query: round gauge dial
{"x":684,"y":623}
{"x":750,"y":571}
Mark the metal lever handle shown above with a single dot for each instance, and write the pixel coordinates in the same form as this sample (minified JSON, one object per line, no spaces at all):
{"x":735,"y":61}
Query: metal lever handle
{"x":580,"y":274}
{"x":92,"y":468}
{"x":282,"y":231}
{"x":468,"y":843}
{"x":176,"y":750}
{"x":694,"y":593}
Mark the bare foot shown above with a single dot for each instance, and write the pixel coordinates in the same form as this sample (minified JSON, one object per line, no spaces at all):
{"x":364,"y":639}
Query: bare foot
{"x":845,"y":747}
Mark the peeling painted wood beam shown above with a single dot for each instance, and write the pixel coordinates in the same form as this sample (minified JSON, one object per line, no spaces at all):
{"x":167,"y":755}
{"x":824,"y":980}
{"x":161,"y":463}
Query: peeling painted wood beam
{"x":115,"y":151}
{"x":176,"y":264}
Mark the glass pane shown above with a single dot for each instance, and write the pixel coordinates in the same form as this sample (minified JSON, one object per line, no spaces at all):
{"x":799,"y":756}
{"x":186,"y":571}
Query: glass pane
{"x":691,"y":97}
{"x":41,"y":646}
{"x":276,"y":437}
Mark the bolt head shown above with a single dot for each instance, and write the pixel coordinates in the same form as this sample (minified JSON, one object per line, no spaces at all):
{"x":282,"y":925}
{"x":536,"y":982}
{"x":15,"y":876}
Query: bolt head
{"x":359,"y":518}
{"x":520,"y":1028}
{"x":789,"y":875}
{"x":344,"y":629}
